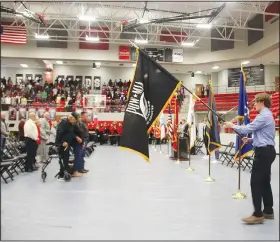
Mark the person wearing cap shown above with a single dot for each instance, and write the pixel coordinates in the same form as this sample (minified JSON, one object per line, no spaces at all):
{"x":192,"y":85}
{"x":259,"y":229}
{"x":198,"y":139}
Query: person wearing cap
{"x":65,"y":138}
{"x":263,"y":141}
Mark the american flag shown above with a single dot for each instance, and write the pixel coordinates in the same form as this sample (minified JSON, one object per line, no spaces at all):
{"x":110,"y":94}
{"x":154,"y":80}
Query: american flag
{"x":169,"y":123}
{"x":13,"y":34}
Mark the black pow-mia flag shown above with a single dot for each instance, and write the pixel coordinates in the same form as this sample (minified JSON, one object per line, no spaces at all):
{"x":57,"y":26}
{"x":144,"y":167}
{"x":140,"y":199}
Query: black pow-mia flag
{"x":150,"y":92}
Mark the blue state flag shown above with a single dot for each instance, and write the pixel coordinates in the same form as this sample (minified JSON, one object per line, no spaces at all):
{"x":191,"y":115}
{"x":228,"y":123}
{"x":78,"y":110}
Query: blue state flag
{"x":244,"y":119}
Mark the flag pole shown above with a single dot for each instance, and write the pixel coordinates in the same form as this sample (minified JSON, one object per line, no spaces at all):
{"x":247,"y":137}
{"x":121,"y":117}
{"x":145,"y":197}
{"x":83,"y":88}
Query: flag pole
{"x":178,"y":149}
{"x":190,"y":169}
{"x":167,"y":147}
{"x":239,"y":194}
{"x":209,"y":178}
{"x":155,"y":144}
{"x":160,"y":151}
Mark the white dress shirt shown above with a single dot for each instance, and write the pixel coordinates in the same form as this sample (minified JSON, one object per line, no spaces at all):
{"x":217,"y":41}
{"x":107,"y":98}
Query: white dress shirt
{"x":8,"y":100}
{"x":30,"y":130}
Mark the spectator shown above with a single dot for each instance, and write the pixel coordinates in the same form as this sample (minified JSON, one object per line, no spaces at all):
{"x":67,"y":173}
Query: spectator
{"x":53,"y":133}
{"x":85,"y":133}
{"x":44,"y":96}
{"x":4,"y":130}
{"x":45,"y":132}
{"x":78,"y":146}
{"x":31,"y":135}
{"x":207,"y":90}
{"x":21,"y":129}
{"x":202,"y":90}
{"x":38,"y":142}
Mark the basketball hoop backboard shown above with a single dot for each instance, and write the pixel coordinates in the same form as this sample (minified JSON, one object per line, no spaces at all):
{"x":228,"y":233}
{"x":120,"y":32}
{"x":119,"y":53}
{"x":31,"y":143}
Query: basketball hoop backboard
{"x":94,"y":101}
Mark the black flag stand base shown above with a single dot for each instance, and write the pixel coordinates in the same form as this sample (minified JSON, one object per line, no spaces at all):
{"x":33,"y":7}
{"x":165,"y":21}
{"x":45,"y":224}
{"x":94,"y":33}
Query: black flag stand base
{"x":209,"y":178}
{"x":239,"y":194}
{"x":190,"y":169}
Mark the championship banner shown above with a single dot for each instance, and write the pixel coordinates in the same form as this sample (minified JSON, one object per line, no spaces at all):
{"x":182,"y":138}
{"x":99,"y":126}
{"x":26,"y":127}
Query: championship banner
{"x":88,"y":82}
{"x":22,"y":113}
{"x":12,"y":113}
{"x":177,"y":55}
{"x":97,"y":82}
{"x":150,"y":92}
{"x":124,"y":52}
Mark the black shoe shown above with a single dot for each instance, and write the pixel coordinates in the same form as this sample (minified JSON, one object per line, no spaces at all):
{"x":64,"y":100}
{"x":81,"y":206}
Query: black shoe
{"x":29,"y":170}
{"x":35,"y":168}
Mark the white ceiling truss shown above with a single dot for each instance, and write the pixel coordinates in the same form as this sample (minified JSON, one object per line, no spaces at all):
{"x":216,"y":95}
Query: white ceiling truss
{"x":63,"y":16}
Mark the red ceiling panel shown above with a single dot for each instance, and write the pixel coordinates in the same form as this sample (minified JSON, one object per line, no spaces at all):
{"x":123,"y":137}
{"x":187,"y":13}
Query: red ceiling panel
{"x":167,"y":37}
{"x":274,"y":7}
{"x":103,"y":44}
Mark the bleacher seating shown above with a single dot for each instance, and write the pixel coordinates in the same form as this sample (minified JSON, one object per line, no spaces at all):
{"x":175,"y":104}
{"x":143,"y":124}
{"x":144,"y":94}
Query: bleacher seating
{"x":224,"y":102}
{"x":274,"y":109}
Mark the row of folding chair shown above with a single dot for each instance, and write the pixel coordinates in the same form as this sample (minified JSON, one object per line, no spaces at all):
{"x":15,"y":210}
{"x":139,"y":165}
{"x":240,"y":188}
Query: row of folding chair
{"x":227,"y":156}
{"x":12,"y":159}
{"x":90,"y":148}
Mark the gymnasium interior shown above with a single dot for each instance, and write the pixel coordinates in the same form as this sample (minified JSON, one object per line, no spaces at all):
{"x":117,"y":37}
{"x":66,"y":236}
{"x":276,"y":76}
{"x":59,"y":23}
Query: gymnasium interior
{"x":72,"y":57}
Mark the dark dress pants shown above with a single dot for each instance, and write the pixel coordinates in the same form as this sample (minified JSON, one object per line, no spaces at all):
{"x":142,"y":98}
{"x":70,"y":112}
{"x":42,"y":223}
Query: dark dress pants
{"x":31,"y":149}
{"x":260,"y":180}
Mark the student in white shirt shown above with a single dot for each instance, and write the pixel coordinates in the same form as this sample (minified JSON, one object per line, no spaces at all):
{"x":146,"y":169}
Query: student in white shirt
{"x":31,"y":136}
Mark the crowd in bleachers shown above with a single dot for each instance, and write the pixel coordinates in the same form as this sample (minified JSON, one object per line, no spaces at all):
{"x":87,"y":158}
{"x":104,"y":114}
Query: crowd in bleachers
{"x":66,"y":95}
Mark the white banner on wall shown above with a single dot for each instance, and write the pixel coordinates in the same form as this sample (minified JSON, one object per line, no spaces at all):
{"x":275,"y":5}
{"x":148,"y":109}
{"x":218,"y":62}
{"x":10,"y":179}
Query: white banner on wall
{"x":177,"y":55}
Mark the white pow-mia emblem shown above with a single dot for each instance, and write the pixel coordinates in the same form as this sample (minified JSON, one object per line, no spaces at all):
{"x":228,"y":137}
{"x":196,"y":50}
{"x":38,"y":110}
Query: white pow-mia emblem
{"x":146,"y":108}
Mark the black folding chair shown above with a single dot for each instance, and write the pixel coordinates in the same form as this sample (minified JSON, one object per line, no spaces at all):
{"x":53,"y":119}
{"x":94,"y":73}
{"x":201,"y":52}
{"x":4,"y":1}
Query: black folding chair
{"x":248,"y":162}
{"x":224,"y":153}
{"x":198,"y":147}
{"x":5,"y":169}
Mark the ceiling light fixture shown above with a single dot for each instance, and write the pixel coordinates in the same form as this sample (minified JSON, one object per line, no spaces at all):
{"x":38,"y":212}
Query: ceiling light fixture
{"x":141,"y":41}
{"x":245,"y":62}
{"x":59,"y":62}
{"x":86,"y":18}
{"x":24,"y":65}
{"x":188,"y":44}
{"x":215,"y":67}
{"x":261,"y":67}
{"x":198,"y":72}
{"x":143,"y":21}
{"x":39,"y":36}
{"x":93,"y":39}
{"x":133,"y":64}
{"x":204,"y":26}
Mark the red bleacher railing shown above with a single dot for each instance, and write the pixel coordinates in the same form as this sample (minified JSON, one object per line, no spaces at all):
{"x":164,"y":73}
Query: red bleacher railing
{"x":268,"y":87}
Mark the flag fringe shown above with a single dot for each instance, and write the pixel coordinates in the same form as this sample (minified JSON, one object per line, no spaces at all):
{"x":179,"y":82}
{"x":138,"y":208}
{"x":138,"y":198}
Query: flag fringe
{"x":146,"y":158}
{"x":165,"y":105}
